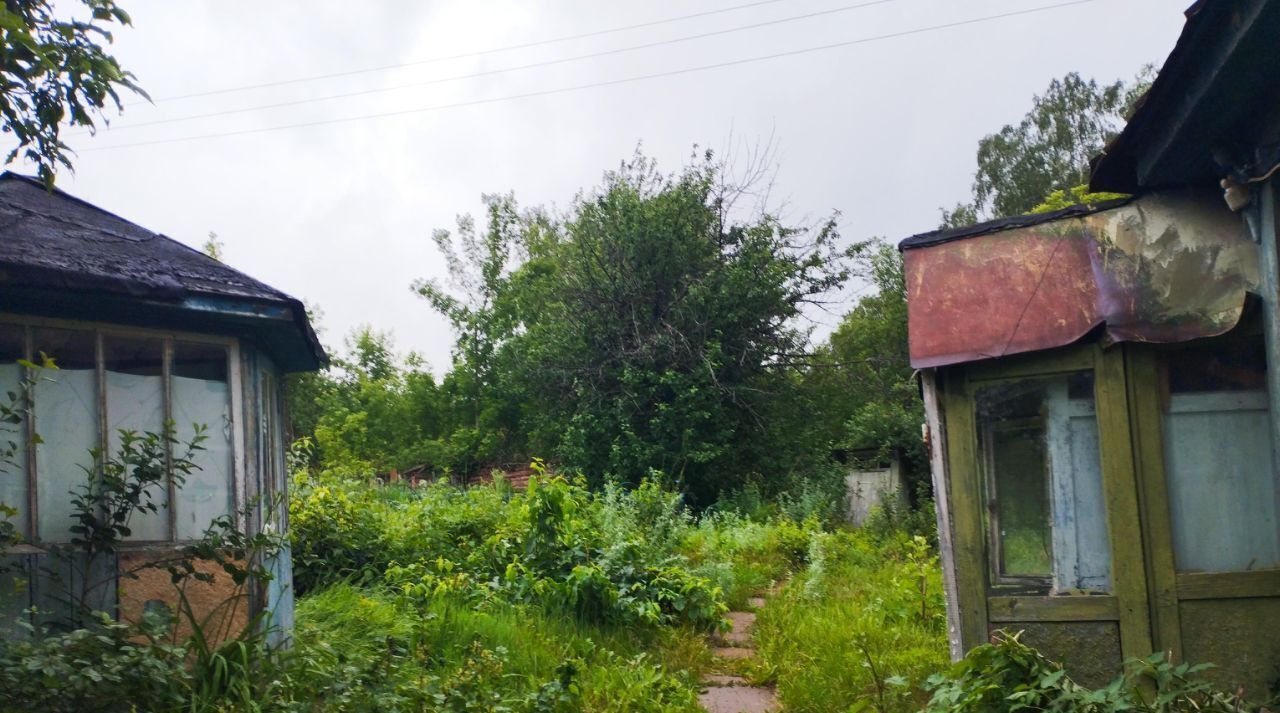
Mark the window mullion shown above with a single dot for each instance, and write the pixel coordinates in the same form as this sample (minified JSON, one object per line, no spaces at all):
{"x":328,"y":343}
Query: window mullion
{"x":166,"y":371}
{"x":104,"y":418}
{"x":33,"y":531}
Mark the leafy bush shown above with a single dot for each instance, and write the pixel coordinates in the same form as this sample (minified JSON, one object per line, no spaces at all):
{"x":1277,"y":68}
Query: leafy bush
{"x":1008,"y":675}
{"x":106,"y":666}
{"x":373,"y":650}
{"x":606,"y":557}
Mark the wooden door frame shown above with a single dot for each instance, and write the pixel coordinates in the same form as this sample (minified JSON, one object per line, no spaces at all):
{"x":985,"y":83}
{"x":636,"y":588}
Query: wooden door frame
{"x":1169,"y":587}
{"x":982,"y":604}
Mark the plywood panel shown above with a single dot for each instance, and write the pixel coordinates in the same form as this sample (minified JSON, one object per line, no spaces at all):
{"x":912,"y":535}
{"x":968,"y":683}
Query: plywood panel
{"x":221,"y":606}
{"x":1089,"y":651}
{"x":1240,"y":636}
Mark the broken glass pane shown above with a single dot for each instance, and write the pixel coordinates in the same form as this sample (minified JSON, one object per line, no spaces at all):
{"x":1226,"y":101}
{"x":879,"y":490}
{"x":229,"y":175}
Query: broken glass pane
{"x":202,"y":395}
{"x":134,"y":374}
{"x":66,"y":417}
{"x":1038,"y":441}
{"x":13,"y":436}
{"x":1217,"y":441}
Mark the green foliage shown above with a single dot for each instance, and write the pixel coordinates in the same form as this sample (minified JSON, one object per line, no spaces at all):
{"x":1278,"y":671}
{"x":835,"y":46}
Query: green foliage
{"x":604,"y":557}
{"x":557,"y":596}
{"x":894,"y":516}
{"x":105,"y":667}
{"x":862,"y":388}
{"x":127,"y":483}
{"x":1008,"y":675}
{"x":644,"y":331}
{"x":374,"y":650}
{"x":56,"y":73}
{"x":1077,"y":195}
{"x":372,"y":411}
{"x":1045,"y":157}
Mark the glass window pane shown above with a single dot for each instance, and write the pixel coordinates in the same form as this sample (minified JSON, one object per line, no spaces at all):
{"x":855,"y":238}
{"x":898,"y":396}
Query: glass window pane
{"x":1038,"y":441}
{"x":13,"y":436}
{"x":66,"y":418}
{"x":1020,"y":478}
{"x":1217,"y":442}
{"x":202,"y":395}
{"x":134,"y":377}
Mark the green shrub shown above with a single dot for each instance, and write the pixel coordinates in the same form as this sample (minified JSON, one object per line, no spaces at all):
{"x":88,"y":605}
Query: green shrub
{"x":368,"y":650}
{"x":105,"y":666}
{"x":1008,"y":675}
{"x":605,"y":557}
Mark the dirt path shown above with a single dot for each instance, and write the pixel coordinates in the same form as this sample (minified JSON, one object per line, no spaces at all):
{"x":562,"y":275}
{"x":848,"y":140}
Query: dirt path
{"x":728,"y":693}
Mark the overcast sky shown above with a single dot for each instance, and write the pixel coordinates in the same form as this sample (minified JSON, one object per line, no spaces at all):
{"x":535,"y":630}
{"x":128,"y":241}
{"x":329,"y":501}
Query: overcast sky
{"x":340,"y":214}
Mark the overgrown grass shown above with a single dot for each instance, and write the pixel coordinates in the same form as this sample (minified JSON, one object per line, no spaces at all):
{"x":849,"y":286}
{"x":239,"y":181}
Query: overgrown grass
{"x":557,"y":598}
{"x":370,"y":650}
{"x":863,"y":626}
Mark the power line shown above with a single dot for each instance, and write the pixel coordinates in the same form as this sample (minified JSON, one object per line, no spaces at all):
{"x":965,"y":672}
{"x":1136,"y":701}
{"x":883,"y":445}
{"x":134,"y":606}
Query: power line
{"x":546,"y":63}
{"x":594,"y":85}
{"x":477,"y":53}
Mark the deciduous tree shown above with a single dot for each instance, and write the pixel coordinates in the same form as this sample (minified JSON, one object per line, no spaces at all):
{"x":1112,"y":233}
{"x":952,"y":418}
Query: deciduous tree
{"x":55,"y":71}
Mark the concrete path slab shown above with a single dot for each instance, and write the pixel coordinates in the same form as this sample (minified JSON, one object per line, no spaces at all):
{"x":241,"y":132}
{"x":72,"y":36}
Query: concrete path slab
{"x":738,"y":699}
{"x":733,"y":653}
{"x":740,"y":634}
{"x":718,"y":679}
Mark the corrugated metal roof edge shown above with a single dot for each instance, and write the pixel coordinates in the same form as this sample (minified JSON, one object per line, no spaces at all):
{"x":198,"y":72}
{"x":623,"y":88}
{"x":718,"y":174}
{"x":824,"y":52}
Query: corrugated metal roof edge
{"x":937,"y":237}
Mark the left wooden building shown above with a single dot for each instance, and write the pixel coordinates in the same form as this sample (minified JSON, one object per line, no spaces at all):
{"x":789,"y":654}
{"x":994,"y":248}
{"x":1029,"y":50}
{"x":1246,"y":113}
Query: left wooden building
{"x":145,"y":332}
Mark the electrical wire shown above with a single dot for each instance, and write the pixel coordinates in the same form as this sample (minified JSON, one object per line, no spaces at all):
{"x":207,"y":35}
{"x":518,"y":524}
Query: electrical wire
{"x":477,"y":53}
{"x":594,"y":85}
{"x":489,"y":72}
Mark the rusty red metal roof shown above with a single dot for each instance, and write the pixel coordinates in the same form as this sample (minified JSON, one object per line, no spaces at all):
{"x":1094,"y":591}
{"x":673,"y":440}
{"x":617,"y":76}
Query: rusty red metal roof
{"x":1168,"y":267}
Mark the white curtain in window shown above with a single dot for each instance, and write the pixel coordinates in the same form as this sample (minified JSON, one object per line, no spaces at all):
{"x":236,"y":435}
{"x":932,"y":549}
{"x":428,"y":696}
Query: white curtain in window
{"x":207,"y":492}
{"x":66,"y":408}
{"x":136,"y":403}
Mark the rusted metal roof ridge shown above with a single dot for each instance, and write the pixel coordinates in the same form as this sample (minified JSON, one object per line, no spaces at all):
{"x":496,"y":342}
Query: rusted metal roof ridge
{"x":1167,"y":267}
{"x":946,"y":235}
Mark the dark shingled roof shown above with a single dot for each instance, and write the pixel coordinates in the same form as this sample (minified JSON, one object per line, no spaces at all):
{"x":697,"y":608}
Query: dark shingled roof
{"x":54,"y":242}
{"x":1209,"y":110}
{"x":947,"y":235}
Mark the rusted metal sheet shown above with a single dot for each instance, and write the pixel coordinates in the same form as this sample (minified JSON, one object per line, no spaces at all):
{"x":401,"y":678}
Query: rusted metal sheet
{"x":1168,"y":267}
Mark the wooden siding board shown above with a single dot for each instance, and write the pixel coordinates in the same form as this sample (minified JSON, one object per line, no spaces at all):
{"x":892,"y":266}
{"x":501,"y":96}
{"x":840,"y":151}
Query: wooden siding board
{"x":1228,"y":585}
{"x":1145,"y":401}
{"x":935,"y":421}
{"x":1071,"y":608}
{"x":1129,"y":578}
{"x":966,"y":506}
